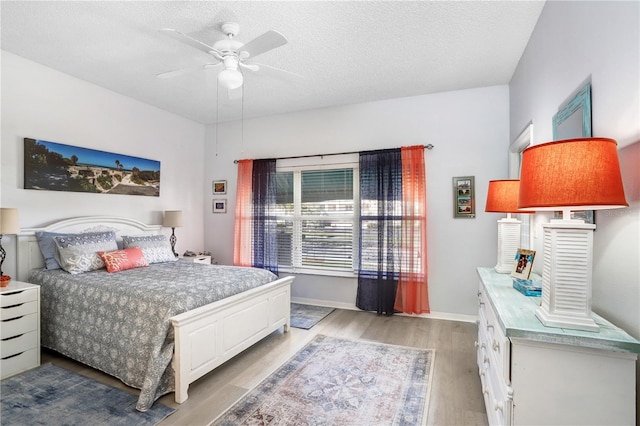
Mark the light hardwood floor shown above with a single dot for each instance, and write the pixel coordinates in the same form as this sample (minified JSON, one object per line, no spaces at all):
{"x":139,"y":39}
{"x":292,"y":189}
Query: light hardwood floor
{"x":456,"y":397}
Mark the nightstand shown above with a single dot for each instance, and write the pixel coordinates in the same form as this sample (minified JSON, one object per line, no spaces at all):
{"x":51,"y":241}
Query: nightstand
{"x":196,"y":259}
{"x":20,"y":329}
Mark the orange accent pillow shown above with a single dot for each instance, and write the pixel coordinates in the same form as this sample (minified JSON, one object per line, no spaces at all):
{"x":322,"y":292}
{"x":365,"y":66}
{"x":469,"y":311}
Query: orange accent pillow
{"x":120,"y":260}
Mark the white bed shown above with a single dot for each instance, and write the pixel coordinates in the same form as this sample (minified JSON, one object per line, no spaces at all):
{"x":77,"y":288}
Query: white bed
{"x":205,"y":337}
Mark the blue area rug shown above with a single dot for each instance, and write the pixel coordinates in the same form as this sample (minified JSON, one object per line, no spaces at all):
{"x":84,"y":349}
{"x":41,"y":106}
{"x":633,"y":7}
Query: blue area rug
{"x":50,"y":395}
{"x":341,"y":382}
{"x":306,"y":316}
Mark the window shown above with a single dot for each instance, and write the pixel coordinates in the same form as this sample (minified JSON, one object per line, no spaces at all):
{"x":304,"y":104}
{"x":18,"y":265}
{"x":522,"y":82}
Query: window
{"x":316,"y":211}
{"x":515,"y":161}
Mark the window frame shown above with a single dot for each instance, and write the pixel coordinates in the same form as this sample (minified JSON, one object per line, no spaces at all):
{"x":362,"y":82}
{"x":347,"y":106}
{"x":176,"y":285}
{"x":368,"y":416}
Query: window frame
{"x":297,"y":167}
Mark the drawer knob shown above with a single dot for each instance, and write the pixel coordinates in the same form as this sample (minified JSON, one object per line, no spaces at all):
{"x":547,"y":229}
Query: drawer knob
{"x":496,"y":346}
{"x":486,"y":360}
{"x":489,"y":326}
{"x":498,"y":406}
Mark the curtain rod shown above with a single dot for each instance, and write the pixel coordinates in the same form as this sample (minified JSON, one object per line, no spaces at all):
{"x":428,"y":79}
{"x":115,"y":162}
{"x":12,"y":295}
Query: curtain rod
{"x":428,"y":146}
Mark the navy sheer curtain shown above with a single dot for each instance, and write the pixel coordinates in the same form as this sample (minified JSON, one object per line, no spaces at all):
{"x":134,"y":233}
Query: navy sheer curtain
{"x":380,"y":229}
{"x":265,"y":243}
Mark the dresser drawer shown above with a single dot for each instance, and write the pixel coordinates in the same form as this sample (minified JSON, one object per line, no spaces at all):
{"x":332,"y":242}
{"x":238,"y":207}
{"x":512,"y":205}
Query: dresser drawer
{"x":17,"y":344}
{"x":15,"y":311}
{"x":19,"y":363}
{"x":17,"y":326}
{"x":498,"y":397}
{"x":498,"y":346}
{"x":17,"y":297}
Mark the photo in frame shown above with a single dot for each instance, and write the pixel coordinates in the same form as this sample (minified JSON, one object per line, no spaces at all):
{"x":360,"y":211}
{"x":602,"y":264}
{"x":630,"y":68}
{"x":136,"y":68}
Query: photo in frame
{"x":219,"y":187}
{"x":464,"y":205}
{"x":53,"y":166}
{"x":219,"y":205}
{"x":522,"y":263}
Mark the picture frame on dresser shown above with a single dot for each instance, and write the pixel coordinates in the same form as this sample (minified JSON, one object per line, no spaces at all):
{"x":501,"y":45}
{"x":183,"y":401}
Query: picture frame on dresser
{"x":522,"y":263}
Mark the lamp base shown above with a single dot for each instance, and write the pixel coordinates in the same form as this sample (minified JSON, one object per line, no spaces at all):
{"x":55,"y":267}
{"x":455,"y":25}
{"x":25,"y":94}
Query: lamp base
{"x":567,"y":276}
{"x":508,"y":243}
{"x":566,"y":321}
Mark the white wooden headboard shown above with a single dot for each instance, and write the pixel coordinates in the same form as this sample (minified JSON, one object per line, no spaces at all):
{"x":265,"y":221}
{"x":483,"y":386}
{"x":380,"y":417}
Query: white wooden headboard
{"x":30,"y":257}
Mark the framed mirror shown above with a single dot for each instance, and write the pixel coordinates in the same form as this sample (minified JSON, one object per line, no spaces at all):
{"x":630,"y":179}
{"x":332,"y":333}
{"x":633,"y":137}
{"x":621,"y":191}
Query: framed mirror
{"x":573,"y":120}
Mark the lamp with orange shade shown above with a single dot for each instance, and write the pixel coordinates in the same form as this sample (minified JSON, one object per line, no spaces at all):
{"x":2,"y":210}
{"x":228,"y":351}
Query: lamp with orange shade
{"x":570,"y":175}
{"x":502,"y":197}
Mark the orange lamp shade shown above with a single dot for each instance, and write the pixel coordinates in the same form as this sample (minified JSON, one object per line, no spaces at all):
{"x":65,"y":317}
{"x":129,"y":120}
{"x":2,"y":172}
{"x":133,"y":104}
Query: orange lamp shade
{"x":502,"y":196}
{"x":582,"y":173}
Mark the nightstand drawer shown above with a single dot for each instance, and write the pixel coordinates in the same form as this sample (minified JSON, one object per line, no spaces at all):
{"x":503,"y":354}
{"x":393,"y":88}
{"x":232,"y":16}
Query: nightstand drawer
{"x":15,"y":311}
{"x":20,"y":343}
{"x":20,"y":325}
{"x":17,"y":297}
{"x":205,"y":260}
{"x":19,"y":363}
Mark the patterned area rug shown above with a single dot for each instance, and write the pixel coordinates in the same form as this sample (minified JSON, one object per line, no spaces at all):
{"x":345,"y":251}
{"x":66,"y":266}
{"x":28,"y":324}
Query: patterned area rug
{"x":306,"y":316}
{"x":50,"y":395}
{"x":341,"y":382}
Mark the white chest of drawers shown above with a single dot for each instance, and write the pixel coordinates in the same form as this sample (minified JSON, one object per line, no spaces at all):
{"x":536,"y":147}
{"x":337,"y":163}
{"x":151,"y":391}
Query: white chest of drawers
{"x":19,"y":328}
{"x":537,"y":375}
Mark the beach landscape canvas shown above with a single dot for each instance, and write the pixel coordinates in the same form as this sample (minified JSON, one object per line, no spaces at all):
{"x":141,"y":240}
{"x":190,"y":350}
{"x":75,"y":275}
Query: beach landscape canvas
{"x":54,"y":166}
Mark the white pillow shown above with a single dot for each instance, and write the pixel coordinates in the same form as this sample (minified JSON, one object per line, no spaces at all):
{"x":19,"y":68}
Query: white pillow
{"x":155,"y":248}
{"x":79,"y":253}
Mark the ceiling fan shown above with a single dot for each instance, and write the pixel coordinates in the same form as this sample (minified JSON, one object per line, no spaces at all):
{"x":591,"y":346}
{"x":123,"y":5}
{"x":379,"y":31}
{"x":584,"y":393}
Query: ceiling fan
{"x":229,"y":52}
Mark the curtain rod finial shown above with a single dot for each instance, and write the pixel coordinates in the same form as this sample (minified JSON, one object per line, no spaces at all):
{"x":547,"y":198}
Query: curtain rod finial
{"x":429,"y":146}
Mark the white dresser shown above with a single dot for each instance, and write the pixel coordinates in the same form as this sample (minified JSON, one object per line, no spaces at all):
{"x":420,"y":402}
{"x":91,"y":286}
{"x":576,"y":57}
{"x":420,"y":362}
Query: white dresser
{"x":537,"y":375}
{"x":19,"y":328}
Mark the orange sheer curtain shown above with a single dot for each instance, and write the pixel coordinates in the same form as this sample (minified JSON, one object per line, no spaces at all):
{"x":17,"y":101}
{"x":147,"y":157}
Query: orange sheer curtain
{"x":242,"y":255}
{"x":412,"y":296}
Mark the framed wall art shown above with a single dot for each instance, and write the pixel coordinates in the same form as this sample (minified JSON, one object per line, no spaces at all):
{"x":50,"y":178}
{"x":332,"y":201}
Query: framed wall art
{"x":219,"y":187}
{"x":464,"y":205}
{"x":219,"y":205}
{"x":53,"y":166}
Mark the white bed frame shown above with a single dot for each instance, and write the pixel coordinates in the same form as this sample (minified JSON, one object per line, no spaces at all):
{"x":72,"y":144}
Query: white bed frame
{"x":205,"y":337}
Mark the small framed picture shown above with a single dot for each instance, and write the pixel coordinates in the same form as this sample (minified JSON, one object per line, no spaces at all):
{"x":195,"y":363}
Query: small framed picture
{"x":464,"y":202}
{"x":219,"y":187}
{"x":522,"y":264}
{"x":220,"y":206}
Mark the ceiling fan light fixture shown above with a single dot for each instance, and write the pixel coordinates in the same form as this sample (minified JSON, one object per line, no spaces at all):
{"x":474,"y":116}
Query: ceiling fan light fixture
{"x":230,"y":78}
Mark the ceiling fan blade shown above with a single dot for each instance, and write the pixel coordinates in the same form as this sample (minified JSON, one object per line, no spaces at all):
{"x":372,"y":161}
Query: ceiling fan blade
{"x":267,"y":41}
{"x":174,"y":73}
{"x":250,"y":67}
{"x":273,"y":71}
{"x":181,"y":71}
{"x":182,"y":37}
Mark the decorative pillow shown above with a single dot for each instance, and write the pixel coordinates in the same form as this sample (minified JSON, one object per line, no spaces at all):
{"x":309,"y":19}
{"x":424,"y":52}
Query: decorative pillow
{"x":79,"y":253}
{"x":120,"y":260}
{"x":155,"y":248}
{"x":48,"y":248}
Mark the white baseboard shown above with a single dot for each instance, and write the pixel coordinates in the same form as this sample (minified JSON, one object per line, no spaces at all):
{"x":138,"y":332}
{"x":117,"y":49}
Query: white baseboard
{"x":338,"y":305}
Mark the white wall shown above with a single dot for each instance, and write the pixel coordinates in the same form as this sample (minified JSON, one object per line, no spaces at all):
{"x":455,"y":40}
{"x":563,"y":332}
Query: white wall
{"x":41,"y":103}
{"x":469,"y":130}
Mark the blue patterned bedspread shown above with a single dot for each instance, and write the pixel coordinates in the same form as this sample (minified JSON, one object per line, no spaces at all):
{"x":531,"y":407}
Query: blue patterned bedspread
{"x":119,"y":323}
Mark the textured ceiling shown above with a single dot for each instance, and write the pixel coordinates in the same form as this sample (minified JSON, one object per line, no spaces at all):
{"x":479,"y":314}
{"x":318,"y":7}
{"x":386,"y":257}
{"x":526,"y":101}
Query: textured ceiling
{"x":346,"y":52}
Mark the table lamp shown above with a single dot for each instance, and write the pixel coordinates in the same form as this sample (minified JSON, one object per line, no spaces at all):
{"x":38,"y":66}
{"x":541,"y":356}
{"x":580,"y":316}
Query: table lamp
{"x":173,"y":220}
{"x":502,"y":197}
{"x":8,"y":225}
{"x":569,"y":175}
